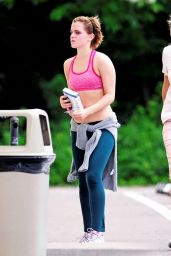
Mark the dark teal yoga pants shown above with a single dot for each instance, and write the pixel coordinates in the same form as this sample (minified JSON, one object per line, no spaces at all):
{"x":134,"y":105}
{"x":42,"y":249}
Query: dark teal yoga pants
{"x":91,"y":190}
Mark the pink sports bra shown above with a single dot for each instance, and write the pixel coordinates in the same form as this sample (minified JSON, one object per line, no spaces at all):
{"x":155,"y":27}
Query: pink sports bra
{"x":87,"y":80}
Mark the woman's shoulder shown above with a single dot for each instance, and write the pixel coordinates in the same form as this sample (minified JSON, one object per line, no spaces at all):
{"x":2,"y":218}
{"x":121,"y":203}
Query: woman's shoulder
{"x":102,"y":57}
{"x":67,"y":64}
{"x":68,"y":61}
{"x":167,"y":49}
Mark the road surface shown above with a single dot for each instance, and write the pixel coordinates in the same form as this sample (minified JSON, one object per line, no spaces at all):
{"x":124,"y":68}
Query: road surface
{"x":138,"y":222}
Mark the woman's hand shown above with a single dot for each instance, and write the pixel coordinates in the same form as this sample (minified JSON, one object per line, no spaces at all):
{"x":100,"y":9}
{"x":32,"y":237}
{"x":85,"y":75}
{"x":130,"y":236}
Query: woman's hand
{"x":65,"y":103}
{"x":80,"y":115}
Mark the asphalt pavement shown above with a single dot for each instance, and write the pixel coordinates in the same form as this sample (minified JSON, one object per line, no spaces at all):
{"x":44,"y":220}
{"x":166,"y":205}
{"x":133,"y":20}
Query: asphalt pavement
{"x":138,"y":222}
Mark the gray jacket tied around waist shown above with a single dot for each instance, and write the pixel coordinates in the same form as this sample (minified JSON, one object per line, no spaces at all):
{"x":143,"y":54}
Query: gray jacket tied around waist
{"x":82,"y":142}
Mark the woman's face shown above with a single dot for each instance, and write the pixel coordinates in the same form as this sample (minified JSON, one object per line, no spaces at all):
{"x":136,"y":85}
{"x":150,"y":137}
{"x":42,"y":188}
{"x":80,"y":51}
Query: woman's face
{"x":79,"y":37}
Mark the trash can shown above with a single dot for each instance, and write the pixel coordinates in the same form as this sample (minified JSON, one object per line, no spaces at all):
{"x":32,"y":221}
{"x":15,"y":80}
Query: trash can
{"x":24,"y":183}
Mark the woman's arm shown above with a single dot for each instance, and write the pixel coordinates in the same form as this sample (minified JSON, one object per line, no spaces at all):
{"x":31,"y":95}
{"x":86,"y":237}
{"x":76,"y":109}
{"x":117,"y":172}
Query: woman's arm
{"x":66,"y":69}
{"x":108,"y":75}
{"x":64,"y":101}
{"x":165,"y":87}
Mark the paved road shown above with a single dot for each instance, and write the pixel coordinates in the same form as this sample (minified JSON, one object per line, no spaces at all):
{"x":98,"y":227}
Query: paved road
{"x":138,"y":222}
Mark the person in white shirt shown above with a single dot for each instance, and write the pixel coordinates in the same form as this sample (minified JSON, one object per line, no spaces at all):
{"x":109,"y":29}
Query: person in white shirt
{"x":166,"y":96}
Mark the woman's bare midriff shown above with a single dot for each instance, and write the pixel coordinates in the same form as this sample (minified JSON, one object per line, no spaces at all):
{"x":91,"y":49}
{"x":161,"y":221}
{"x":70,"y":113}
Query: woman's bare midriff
{"x":91,"y":97}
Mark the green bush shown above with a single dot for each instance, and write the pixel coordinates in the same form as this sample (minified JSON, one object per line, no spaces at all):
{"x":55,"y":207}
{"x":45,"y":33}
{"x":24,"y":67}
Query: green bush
{"x":141,"y":153}
{"x":62,"y":149}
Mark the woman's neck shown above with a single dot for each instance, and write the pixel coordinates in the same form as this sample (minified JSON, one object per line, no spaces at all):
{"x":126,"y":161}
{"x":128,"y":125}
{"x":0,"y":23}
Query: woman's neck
{"x":83,"y":52}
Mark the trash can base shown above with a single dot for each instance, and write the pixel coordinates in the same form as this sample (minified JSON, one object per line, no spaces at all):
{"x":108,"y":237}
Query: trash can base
{"x":23,"y":213}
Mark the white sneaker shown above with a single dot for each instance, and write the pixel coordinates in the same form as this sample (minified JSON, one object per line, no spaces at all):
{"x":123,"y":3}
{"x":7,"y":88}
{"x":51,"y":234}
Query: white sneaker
{"x":86,"y":238}
{"x":97,"y":237}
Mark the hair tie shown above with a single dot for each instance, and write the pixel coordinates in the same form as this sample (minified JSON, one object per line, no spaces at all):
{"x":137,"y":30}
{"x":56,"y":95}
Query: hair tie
{"x":93,"y":28}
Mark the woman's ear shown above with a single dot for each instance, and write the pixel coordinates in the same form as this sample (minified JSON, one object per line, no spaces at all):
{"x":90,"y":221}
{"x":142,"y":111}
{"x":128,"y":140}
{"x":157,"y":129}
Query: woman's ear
{"x":91,"y":36}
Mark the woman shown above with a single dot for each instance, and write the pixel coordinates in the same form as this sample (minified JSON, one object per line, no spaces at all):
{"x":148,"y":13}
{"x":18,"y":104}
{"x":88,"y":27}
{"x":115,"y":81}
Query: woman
{"x":94,"y":128}
{"x":166,"y":96}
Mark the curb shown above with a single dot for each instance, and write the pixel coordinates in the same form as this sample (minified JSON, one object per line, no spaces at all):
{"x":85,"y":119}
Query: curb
{"x":107,"y":249}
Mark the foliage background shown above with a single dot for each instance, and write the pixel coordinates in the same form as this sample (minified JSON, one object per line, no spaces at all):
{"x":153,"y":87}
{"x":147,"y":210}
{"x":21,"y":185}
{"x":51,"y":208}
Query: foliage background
{"x":34,"y":42}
